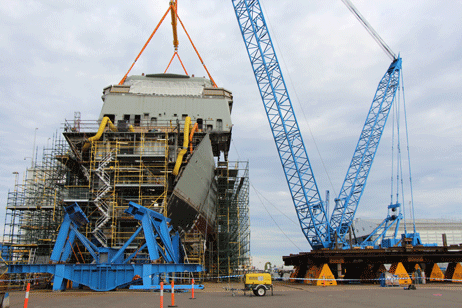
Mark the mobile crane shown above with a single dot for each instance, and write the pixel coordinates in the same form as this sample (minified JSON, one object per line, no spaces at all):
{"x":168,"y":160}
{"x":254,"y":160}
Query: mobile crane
{"x":311,"y":210}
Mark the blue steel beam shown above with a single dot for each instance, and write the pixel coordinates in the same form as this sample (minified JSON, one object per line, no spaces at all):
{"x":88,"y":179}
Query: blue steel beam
{"x":92,"y":249}
{"x":284,"y":126}
{"x":135,"y":253}
{"x":61,"y":239}
{"x":69,"y":243}
{"x":73,"y":219}
{"x":155,"y":224}
{"x":355,"y":181}
{"x":100,"y":277}
{"x":127,"y":243}
{"x":150,"y":236}
{"x":380,"y":232}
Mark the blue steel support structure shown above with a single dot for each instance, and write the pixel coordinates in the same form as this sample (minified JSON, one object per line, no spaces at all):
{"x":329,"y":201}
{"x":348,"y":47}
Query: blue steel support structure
{"x":109,"y":269}
{"x":286,"y":132}
{"x":380,"y":233}
{"x":355,"y":181}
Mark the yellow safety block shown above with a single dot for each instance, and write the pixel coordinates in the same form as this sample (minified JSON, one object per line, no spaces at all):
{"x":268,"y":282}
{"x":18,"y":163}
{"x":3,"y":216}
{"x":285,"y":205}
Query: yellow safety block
{"x":399,"y":270}
{"x":320,"y":276}
{"x":437,"y":274}
{"x":454,"y":272}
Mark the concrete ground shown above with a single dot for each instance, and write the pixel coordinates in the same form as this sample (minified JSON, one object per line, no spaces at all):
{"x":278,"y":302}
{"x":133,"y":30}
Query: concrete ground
{"x":285,"y":295}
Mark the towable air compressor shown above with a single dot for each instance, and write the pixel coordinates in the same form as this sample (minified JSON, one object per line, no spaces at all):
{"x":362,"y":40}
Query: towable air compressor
{"x":259,"y":283}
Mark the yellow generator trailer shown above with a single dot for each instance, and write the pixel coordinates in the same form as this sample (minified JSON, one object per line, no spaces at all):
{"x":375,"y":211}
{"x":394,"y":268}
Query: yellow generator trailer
{"x":259,"y":283}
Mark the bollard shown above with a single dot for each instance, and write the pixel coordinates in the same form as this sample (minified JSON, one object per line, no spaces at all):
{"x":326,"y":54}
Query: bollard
{"x":173,"y":294}
{"x":323,"y":280}
{"x":26,"y":301}
{"x":192,"y":290}
{"x":161,"y":294}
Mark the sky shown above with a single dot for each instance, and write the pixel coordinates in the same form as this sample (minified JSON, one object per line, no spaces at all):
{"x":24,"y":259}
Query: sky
{"x":57,"y":56}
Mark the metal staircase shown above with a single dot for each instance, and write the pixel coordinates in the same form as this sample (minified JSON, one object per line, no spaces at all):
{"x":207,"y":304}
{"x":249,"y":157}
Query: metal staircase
{"x":32,"y":255}
{"x":85,"y":172}
{"x":101,"y":193}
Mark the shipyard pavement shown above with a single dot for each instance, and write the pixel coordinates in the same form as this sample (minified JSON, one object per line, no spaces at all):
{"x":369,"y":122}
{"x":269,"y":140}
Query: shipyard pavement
{"x":285,"y":295}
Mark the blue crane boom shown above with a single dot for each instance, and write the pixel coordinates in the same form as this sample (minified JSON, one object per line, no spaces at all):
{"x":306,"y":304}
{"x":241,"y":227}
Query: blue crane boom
{"x":286,"y":132}
{"x":355,"y":180}
{"x":311,"y":211}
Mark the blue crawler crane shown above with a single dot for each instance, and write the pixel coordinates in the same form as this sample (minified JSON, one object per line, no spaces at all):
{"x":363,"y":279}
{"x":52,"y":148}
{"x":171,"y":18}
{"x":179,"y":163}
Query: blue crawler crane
{"x":111,"y":268}
{"x":311,"y":210}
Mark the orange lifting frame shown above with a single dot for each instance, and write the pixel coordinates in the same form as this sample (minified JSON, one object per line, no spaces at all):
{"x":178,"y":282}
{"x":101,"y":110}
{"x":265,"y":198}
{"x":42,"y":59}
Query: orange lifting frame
{"x":172,"y":7}
{"x":175,"y":36}
{"x":176,"y":54}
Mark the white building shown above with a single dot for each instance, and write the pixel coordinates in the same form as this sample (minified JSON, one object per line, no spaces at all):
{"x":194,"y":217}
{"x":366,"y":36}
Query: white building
{"x":431,"y":230}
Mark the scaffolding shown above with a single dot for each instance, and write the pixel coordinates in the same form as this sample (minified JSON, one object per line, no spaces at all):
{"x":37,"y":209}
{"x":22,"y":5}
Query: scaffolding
{"x":128,"y":165}
{"x":33,"y":211}
{"x":233,"y":226}
{"x":124,"y":171}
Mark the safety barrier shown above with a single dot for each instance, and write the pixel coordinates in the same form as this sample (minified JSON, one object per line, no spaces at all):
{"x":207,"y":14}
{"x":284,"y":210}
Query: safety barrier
{"x":161,"y":294}
{"x":26,"y":300}
{"x":358,"y":279}
{"x":192,"y":289}
{"x":173,"y":294}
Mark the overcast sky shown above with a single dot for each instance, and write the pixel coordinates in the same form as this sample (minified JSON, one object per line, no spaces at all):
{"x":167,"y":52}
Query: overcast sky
{"x":57,"y":56}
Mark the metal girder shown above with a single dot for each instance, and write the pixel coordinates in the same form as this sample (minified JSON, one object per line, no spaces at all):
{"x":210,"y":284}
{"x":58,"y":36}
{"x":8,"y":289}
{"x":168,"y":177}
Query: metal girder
{"x":109,"y":270}
{"x":73,"y":219}
{"x":155,"y":225}
{"x":355,"y":181}
{"x":284,"y":126}
{"x":104,"y":277}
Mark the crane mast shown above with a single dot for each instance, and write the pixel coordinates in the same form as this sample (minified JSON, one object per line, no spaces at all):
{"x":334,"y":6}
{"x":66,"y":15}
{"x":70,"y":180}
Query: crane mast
{"x":284,"y":126}
{"x":355,"y":180}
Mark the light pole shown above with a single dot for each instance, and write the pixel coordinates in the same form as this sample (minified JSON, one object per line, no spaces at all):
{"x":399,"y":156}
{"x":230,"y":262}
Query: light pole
{"x":33,"y":149}
{"x":16,"y":176}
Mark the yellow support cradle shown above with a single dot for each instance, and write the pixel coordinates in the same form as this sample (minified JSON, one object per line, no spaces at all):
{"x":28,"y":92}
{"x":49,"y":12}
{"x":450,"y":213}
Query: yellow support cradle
{"x":320,"y":276}
{"x":454,"y":272}
{"x":399,"y":270}
{"x":436,"y":274}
